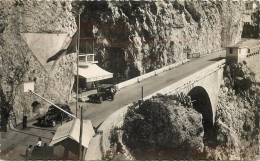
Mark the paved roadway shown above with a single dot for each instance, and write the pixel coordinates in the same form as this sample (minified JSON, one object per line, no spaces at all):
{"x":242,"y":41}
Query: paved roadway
{"x":97,"y":113}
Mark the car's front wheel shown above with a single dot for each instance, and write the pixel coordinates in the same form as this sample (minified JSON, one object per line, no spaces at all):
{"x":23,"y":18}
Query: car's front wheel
{"x":53,"y":123}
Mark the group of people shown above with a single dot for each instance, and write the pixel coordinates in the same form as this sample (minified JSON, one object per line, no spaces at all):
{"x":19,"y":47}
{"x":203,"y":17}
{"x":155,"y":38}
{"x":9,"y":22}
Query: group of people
{"x":30,"y":149}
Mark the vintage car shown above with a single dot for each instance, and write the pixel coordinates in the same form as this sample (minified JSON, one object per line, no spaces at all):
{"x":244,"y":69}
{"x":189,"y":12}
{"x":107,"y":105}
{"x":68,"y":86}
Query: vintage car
{"x":104,"y":92}
{"x":55,"y":115}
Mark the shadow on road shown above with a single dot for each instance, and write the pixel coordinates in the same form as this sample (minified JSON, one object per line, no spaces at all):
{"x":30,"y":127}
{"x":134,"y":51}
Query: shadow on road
{"x":31,"y":134}
{"x":40,"y":128}
{"x":23,"y":155}
{"x":96,"y":128}
{"x":217,"y":59}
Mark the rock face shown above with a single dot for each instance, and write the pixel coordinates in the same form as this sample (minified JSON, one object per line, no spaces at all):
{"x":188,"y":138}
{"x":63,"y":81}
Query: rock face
{"x":132,"y":38}
{"x":18,"y":62}
{"x":141,"y":36}
{"x":236,"y":122}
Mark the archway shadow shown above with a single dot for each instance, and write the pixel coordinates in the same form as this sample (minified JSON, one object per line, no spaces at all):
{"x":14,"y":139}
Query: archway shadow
{"x":202,"y":104}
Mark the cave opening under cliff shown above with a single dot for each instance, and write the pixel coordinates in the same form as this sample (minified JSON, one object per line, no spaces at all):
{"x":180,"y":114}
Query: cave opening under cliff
{"x":202,"y":104}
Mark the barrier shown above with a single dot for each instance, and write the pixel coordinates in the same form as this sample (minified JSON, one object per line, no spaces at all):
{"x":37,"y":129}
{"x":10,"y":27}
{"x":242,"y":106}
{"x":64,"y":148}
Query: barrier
{"x":150,"y":74}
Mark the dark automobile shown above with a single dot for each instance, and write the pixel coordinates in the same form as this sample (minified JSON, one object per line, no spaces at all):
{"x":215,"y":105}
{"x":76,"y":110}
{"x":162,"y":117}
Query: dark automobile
{"x":55,"y":115}
{"x":104,"y":92}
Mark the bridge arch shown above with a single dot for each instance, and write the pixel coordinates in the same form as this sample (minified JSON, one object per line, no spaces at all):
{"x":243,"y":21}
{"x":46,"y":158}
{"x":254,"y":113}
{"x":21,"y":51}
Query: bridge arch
{"x":202,"y":103}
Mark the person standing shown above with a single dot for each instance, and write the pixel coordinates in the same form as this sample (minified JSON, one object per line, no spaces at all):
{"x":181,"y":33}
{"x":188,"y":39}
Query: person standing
{"x":24,"y":120}
{"x":112,"y":93}
{"x":28,"y":152}
{"x":39,"y":143}
{"x":61,"y":117}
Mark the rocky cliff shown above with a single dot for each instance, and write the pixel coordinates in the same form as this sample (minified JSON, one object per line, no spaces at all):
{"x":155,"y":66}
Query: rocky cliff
{"x":141,"y":36}
{"x":19,"y":63}
{"x":237,"y":118}
{"x":131,"y":38}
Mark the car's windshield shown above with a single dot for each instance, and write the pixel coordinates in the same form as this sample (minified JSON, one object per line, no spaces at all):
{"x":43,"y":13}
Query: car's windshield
{"x":101,"y":89}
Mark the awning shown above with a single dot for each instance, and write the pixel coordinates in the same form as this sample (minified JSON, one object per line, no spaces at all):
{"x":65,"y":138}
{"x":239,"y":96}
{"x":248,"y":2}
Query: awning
{"x":71,"y":130}
{"x":92,"y":72}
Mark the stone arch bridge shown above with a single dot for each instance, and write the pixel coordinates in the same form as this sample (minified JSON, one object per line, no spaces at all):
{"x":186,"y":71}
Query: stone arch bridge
{"x":203,"y":88}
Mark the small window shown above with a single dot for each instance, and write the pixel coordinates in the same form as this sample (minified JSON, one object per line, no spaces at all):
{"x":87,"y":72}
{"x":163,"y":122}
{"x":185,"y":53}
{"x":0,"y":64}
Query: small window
{"x":248,"y":50}
{"x":230,"y":51}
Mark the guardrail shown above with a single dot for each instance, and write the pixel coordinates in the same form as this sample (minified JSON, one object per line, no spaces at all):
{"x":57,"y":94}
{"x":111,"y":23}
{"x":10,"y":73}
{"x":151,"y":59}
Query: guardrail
{"x":148,"y":75}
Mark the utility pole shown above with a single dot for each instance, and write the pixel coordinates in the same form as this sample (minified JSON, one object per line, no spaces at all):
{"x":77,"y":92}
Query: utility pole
{"x":142,"y":93}
{"x":77,"y":76}
{"x":258,"y":22}
{"x":80,"y":135}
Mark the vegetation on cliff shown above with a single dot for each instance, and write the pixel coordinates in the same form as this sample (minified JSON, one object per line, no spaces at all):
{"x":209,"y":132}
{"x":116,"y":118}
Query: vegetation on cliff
{"x":164,"y":125}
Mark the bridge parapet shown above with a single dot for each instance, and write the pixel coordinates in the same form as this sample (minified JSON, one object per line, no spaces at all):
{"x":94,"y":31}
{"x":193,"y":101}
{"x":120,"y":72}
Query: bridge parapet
{"x":148,"y":75}
{"x":189,"y":81}
{"x":208,"y":78}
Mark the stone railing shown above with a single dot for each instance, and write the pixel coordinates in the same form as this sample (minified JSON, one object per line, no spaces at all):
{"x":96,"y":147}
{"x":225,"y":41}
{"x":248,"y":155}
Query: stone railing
{"x":150,"y":74}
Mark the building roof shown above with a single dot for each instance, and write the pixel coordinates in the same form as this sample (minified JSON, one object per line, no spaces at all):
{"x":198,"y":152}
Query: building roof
{"x":72,"y":130}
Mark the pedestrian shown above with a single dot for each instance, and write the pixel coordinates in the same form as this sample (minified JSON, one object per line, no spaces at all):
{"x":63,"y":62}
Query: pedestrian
{"x":13,"y":118}
{"x":112,"y":93}
{"x":28,"y":153}
{"x":61,"y":117}
{"x":39,"y":143}
{"x":24,"y":120}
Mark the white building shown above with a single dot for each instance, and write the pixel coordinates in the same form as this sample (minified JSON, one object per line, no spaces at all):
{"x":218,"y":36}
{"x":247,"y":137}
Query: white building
{"x":241,"y":51}
{"x":236,"y":54}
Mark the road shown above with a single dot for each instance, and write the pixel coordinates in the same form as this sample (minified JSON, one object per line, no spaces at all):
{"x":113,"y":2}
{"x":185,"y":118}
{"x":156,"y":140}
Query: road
{"x":97,"y":113}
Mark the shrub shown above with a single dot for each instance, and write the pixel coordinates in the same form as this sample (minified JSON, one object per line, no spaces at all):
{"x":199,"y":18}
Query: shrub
{"x":143,"y":125}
